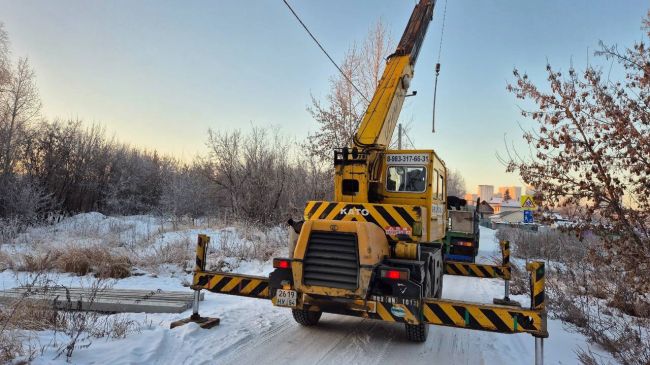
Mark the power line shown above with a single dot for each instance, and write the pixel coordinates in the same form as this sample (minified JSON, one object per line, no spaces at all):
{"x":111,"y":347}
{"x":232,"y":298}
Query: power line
{"x":442,"y":30}
{"x":324,"y":51}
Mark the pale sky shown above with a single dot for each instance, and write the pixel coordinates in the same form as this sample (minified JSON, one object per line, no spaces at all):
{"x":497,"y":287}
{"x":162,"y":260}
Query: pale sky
{"x":158,"y":74}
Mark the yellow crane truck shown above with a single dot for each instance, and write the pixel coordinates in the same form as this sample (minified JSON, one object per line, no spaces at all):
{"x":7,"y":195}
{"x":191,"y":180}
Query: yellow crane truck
{"x":376,"y":251}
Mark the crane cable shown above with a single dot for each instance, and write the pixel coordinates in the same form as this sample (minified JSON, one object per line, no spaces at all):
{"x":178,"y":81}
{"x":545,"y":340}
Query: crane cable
{"x":435,"y":87}
{"x":324,"y":51}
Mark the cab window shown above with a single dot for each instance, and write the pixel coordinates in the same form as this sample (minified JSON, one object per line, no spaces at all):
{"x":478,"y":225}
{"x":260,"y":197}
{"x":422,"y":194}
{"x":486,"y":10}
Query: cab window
{"x":436,"y":187}
{"x":406,"y":179}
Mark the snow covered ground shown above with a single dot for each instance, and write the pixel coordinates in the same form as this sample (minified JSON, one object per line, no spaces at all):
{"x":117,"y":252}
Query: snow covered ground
{"x":254,"y":332}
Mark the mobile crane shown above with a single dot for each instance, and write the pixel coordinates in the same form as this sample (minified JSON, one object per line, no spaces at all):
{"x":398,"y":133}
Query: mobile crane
{"x":376,"y":251}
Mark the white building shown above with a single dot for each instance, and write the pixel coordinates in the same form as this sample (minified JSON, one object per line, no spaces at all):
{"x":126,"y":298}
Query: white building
{"x":486,"y":192}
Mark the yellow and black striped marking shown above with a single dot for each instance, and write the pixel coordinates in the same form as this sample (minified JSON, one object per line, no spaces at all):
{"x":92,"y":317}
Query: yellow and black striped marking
{"x":232,"y":284}
{"x":484,"y":317}
{"x":505,"y":253}
{"x":383,"y":215}
{"x":477,"y":270}
{"x":537,"y":280}
{"x":396,"y":313}
{"x":201,"y":252}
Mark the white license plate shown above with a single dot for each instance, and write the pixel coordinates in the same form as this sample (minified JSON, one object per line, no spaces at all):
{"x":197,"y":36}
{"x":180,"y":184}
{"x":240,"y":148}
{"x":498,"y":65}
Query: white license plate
{"x":286,"y":298}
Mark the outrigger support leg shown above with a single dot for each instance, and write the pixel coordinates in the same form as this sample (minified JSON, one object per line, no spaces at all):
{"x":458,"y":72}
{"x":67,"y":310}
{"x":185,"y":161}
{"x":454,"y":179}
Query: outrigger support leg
{"x":538,"y":302}
{"x":204,"y":322}
{"x":505,"y":256}
{"x":539,"y":351}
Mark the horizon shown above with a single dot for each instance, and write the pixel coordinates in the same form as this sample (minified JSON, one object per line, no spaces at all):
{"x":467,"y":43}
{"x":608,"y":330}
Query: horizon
{"x":158,"y":76}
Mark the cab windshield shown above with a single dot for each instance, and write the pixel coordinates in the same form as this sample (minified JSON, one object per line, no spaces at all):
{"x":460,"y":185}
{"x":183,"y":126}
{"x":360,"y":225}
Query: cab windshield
{"x":406,"y":179}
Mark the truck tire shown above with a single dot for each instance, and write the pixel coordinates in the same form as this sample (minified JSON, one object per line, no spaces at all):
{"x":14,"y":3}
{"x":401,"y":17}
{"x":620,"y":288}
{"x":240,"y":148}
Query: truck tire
{"x":306,"y":317}
{"x":417,"y":332}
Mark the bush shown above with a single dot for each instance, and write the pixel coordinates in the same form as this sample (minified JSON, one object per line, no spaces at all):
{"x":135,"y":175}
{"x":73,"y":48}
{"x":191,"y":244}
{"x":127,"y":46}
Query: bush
{"x":177,"y":252}
{"x":548,"y":245}
{"x":250,"y":241}
{"x":588,"y":294}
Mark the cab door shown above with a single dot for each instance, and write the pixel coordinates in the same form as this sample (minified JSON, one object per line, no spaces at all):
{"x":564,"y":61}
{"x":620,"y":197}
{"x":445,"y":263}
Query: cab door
{"x":407,"y":180}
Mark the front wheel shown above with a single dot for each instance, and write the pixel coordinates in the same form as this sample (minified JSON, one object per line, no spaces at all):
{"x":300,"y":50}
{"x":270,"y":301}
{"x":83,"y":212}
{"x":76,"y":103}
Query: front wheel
{"x":306,"y":317}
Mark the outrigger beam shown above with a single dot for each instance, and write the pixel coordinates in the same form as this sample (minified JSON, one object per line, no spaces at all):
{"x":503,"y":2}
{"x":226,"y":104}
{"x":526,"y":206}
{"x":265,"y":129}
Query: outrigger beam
{"x":442,"y":312}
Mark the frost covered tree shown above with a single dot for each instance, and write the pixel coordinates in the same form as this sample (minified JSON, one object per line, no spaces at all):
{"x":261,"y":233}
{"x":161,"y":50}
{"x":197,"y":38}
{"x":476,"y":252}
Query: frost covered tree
{"x":187,"y":191}
{"x":455,"y":183}
{"x":19,"y":110}
{"x":342,"y":109}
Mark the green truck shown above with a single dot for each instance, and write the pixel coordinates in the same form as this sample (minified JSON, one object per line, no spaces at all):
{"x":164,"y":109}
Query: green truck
{"x":462,"y":238}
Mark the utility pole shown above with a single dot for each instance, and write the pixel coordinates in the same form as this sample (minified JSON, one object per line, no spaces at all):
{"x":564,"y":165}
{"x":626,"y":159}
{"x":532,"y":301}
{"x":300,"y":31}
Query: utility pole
{"x":399,"y":136}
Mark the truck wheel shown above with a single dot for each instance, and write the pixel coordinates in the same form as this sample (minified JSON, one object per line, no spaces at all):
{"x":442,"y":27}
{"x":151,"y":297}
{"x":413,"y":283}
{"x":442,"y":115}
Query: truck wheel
{"x":417,"y":332}
{"x":306,"y":317}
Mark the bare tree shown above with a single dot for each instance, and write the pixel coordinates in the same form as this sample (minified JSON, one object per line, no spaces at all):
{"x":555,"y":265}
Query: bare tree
{"x":252,"y":170}
{"x":19,"y":106}
{"x":342,"y":110}
{"x":4,"y":59}
{"x":455,"y":183}
{"x":260,"y":176}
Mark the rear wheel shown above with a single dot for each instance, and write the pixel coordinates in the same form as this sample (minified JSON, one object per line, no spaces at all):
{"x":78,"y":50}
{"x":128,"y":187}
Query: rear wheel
{"x":306,"y":317}
{"x":417,"y":332}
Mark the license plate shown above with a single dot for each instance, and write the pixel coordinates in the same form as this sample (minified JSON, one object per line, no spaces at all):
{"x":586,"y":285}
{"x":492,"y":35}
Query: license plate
{"x":286,"y":298}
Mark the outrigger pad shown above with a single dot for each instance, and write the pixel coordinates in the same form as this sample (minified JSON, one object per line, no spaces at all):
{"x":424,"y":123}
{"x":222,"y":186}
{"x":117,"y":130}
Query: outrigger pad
{"x":506,"y":301}
{"x":204,"y":322}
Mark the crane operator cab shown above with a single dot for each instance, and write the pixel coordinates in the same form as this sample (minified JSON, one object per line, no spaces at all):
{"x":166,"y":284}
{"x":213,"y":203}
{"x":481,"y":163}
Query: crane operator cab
{"x":418,"y":178}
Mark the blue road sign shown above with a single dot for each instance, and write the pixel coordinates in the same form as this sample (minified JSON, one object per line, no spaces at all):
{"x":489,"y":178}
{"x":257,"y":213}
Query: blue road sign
{"x":528,"y":216}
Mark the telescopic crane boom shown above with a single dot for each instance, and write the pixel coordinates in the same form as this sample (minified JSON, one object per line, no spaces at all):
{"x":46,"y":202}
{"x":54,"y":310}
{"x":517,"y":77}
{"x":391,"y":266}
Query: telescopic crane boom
{"x":380,"y":119}
{"x":357,"y":178}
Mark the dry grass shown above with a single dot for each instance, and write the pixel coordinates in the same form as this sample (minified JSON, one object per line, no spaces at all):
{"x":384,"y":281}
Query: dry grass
{"x":14,"y":344}
{"x":72,"y":329}
{"x":80,"y":260}
{"x":101,"y":261}
{"x":6,"y":261}
{"x":28,"y":315}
